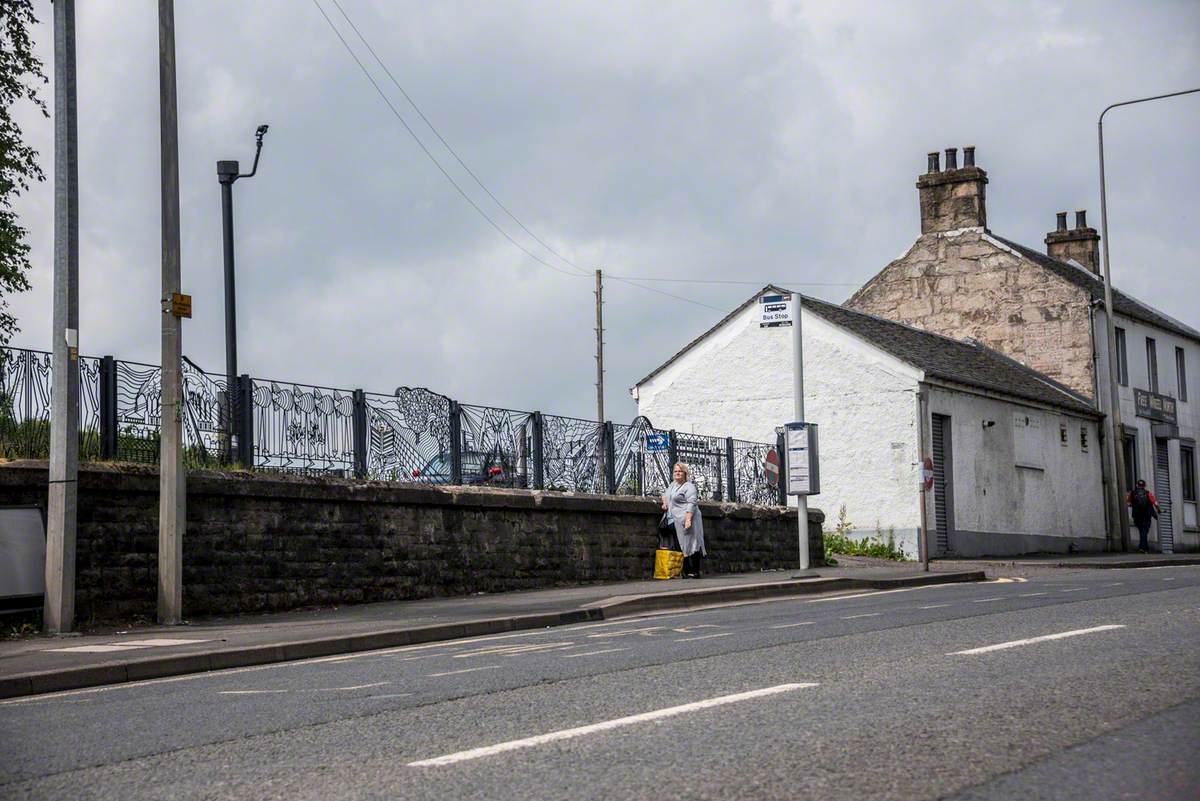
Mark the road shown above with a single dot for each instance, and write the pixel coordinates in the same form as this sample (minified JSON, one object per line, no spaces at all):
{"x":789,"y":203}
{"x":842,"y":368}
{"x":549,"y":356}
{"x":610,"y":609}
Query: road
{"x":1070,"y":685}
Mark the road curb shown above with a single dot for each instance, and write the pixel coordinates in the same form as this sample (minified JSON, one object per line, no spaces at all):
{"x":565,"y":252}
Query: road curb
{"x":37,"y":683}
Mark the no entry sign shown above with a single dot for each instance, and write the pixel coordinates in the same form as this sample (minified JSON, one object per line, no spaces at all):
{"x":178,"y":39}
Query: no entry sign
{"x":771,"y":467}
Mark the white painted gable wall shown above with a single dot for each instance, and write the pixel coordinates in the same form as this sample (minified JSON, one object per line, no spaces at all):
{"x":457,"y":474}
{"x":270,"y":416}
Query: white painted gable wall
{"x":737,"y":381}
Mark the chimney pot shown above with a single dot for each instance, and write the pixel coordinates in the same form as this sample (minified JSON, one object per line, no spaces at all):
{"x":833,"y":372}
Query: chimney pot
{"x":1081,"y":219}
{"x":952,"y":158}
{"x":969,"y":156}
{"x":1062,"y":221}
{"x":934,"y":162}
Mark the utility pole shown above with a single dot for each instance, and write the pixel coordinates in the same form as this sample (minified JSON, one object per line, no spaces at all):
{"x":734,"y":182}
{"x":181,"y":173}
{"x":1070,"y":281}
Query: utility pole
{"x":172,"y":485}
{"x":61,"y":507}
{"x":600,"y":375}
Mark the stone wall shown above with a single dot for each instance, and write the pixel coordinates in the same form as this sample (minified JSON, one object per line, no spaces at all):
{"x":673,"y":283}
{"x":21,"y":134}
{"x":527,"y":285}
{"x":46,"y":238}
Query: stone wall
{"x":265,"y":542}
{"x":964,"y":284}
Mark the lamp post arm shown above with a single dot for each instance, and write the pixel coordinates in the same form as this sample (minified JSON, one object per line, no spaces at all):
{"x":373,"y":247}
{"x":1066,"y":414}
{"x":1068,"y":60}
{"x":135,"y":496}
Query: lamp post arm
{"x":254,"y":169}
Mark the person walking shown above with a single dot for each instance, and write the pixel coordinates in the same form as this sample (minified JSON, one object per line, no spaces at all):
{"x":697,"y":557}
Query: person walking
{"x":1144,"y":506}
{"x":680,"y":502}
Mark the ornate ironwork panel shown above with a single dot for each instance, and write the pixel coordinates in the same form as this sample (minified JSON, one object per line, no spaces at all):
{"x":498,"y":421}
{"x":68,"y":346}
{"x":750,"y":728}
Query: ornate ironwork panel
{"x":570,"y":454}
{"x":408,"y":436}
{"x":25,"y":377}
{"x":299,"y":428}
{"x":139,"y":393}
{"x":89,"y":408}
{"x":496,"y":446}
{"x":638,"y":471}
{"x":749,"y":474}
{"x":705,"y":457}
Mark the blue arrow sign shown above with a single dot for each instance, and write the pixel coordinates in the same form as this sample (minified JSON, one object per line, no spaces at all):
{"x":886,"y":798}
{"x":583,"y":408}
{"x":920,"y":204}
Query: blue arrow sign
{"x":658,"y":443}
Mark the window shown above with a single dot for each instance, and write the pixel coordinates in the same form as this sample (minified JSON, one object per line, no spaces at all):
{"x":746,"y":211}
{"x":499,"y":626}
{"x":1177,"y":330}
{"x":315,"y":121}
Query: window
{"x":1187,"y":458}
{"x":1151,"y":365}
{"x":1083,"y":438}
{"x":1181,"y":373}
{"x":1122,"y":359}
{"x":1062,"y":434}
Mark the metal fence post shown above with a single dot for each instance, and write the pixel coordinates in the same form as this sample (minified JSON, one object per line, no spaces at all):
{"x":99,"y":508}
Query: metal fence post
{"x":245,"y":422}
{"x":359,"y":421}
{"x":108,"y":408}
{"x":672,"y":450}
{"x":730,"y":473}
{"x":781,"y":452}
{"x":539,"y":470}
{"x":610,"y":457}
{"x":455,"y":443}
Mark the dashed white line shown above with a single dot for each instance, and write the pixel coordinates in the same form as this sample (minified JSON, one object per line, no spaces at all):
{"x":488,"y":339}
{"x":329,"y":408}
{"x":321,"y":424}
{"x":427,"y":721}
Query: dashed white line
{"x":594,"y":653}
{"x":933,"y":606}
{"x":250,"y":692}
{"x":464,"y":670}
{"x":1031,"y":640}
{"x":565,"y":734}
{"x":355,"y":687}
{"x":985,"y":600}
{"x":867,"y":614}
{"x":644,"y":631}
{"x":1115,"y":584}
{"x":704,"y":637}
{"x":1074,"y":589}
{"x":793,"y":625}
{"x":1031,"y":594}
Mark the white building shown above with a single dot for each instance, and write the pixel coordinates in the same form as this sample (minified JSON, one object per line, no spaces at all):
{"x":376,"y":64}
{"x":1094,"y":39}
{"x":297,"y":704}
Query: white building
{"x":1017,"y":457}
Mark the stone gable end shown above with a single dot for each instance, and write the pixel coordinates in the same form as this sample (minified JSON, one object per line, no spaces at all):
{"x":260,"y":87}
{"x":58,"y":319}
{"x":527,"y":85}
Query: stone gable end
{"x":964,"y":285}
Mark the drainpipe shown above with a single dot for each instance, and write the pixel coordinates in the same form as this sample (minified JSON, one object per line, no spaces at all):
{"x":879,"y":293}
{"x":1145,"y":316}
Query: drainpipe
{"x":923,"y":453}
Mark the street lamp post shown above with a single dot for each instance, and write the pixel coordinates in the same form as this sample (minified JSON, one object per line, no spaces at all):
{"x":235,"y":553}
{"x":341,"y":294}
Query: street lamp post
{"x":227,"y":174}
{"x":1116,"y":433}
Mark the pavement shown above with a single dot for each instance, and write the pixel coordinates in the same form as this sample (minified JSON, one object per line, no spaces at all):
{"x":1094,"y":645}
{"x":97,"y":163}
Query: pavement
{"x":41,"y":664}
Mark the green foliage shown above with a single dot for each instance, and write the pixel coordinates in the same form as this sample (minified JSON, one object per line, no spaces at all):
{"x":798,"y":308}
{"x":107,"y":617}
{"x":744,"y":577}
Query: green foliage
{"x":20,"y":75}
{"x":878,"y":546}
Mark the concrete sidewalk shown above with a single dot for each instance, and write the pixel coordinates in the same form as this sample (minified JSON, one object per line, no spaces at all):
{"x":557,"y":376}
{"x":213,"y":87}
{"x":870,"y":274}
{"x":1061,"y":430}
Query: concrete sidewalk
{"x":42,"y":664}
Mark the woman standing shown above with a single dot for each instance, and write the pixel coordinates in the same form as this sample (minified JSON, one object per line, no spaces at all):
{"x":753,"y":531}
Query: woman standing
{"x":680,"y":504}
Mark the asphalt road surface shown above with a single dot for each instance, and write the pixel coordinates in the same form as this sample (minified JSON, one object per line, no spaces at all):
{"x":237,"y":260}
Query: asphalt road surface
{"x":1071,"y":685}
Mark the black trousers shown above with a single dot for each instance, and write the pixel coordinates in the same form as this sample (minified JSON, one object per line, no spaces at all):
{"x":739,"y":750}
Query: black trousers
{"x":691,"y":564}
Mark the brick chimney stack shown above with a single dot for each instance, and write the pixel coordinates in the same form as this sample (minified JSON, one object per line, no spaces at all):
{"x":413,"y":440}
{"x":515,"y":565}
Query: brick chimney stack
{"x":952,"y":198}
{"x":1080,"y":244}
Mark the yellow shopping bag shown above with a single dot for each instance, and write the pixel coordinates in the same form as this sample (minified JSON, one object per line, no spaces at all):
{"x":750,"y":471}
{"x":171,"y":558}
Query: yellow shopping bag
{"x":668,"y":564}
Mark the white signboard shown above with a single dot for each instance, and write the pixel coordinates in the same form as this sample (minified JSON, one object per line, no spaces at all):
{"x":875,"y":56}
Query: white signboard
{"x":803,"y":474}
{"x":777,"y":310}
{"x":22,"y":556}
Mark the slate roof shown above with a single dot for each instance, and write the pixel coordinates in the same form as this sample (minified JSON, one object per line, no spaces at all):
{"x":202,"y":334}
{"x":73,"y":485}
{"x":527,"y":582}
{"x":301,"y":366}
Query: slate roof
{"x":1092,"y":283}
{"x":960,"y":361}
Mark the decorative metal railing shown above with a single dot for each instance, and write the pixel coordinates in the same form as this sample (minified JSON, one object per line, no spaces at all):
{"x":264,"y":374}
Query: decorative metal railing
{"x":413,"y":435}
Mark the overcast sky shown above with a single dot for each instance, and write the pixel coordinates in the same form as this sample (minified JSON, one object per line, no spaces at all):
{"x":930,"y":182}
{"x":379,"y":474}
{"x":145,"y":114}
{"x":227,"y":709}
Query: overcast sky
{"x":735,"y":141}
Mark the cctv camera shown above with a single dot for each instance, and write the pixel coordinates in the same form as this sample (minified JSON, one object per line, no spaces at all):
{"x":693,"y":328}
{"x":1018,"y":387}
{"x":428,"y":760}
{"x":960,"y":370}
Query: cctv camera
{"x":262,"y":129}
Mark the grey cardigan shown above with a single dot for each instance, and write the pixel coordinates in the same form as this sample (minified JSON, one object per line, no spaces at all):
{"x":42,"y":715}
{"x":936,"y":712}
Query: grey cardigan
{"x":681,"y":500}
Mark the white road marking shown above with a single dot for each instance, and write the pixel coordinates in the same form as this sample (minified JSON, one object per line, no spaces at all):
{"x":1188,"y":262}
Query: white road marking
{"x":565,"y":734}
{"x":389,"y":695}
{"x":1074,"y":589}
{"x":690,"y":629}
{"x":594,"y":653}
{"x":793,"y":625}
{"x":985,"y":600}
{"x":95,"y":649}
{"x":1044,"y":638}
{"x":642,"y":631}
{"x":466,"y":670}
{"x":160,"y":642}
{"x":867,"y":614}
{"x":1172,"y":578}
{"x":250,"y":692}
{"x":1115,"y":584}
{"x":704,"y":637}
{"x":355,"y":687}
{"x":1008,"y":580}
{"x":873,"y":592}
{"x":1031,"y":594}
{"x":510,"y":650}
{"x":934,"y":606}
